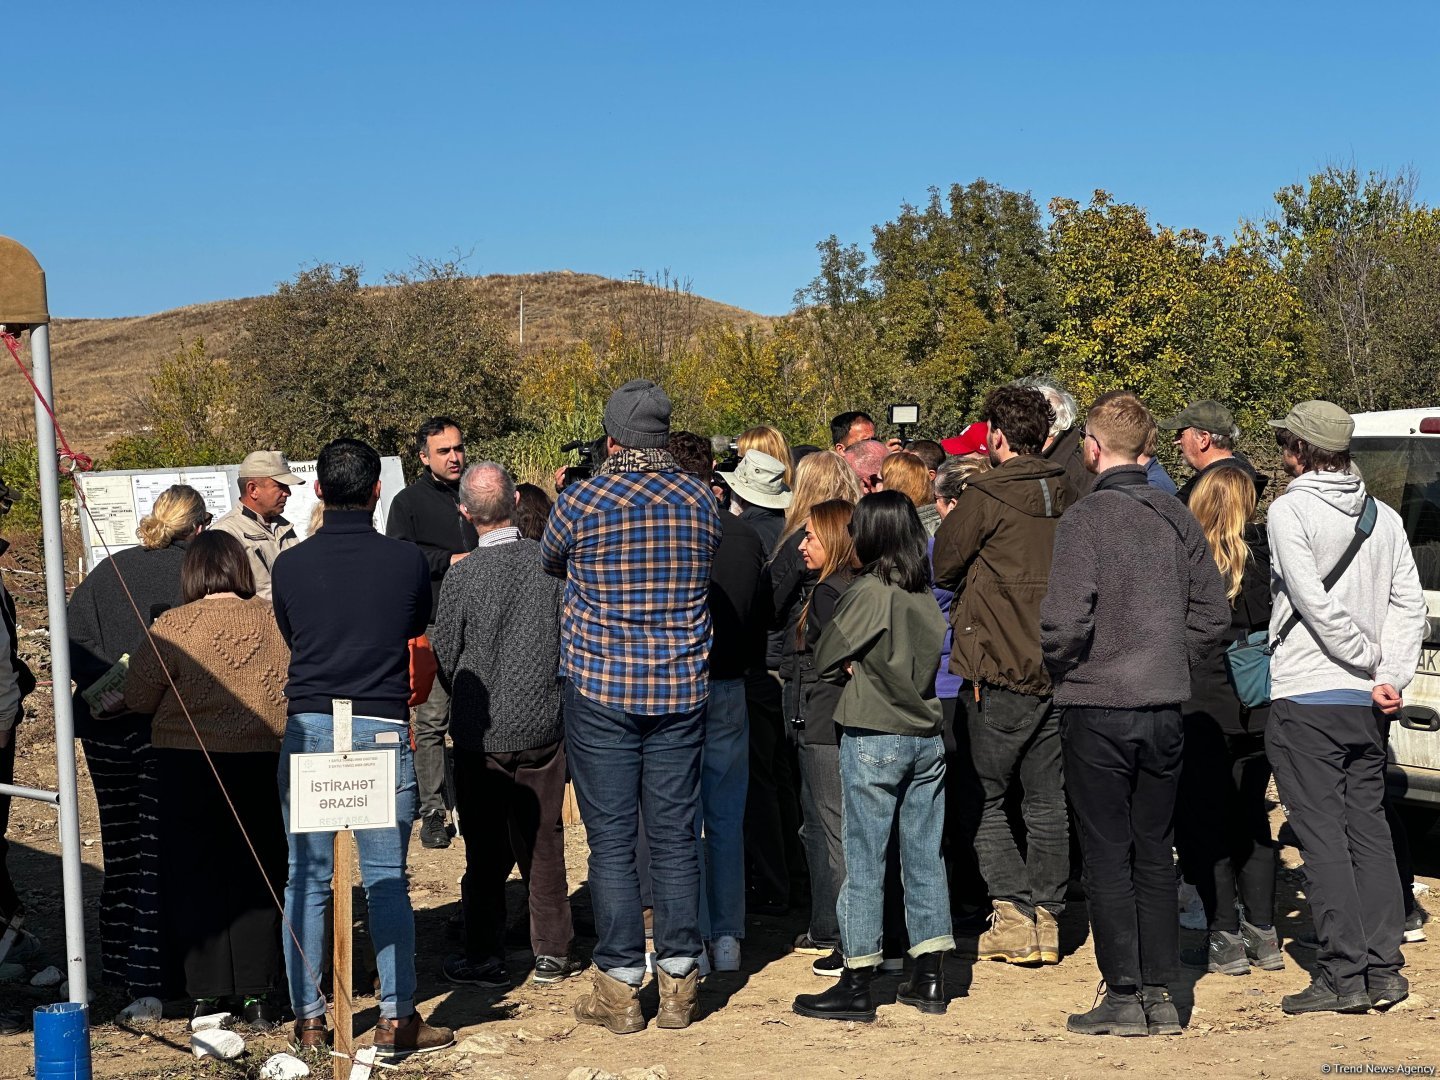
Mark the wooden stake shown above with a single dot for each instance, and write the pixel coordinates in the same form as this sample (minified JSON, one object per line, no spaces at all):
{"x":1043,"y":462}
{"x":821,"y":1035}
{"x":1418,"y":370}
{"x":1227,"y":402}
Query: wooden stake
{"x":342,"y":885}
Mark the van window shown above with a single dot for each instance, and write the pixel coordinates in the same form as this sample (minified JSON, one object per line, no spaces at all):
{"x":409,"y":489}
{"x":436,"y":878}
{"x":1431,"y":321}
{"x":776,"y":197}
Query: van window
{"x":1406,"y":474}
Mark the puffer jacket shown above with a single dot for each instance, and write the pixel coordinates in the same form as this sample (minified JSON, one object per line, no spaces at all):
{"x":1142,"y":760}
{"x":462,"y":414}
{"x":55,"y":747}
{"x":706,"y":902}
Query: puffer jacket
{"x":993,"y":551}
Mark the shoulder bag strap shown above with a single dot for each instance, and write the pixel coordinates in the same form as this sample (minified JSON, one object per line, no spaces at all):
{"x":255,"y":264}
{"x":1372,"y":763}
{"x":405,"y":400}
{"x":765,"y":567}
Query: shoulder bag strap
{"x":1364,"y":526}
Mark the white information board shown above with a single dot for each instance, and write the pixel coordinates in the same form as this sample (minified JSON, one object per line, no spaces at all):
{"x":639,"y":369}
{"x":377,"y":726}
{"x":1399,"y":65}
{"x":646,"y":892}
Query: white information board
{"x":117,"y":501}
{"x":330,"y":792}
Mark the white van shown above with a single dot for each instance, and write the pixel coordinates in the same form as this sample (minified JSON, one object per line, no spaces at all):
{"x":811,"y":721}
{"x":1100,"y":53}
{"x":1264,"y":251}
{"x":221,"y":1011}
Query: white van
{"x":1398,"y":454}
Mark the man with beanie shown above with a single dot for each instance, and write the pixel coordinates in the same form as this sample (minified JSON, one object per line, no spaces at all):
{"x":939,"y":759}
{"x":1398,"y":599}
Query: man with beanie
{"x":1134,"y":602}
{"x":635,"y":544}
{"x":1348,"y":645}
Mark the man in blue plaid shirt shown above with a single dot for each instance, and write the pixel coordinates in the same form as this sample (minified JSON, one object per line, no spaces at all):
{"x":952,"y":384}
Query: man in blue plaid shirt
{"x":635,"y":543}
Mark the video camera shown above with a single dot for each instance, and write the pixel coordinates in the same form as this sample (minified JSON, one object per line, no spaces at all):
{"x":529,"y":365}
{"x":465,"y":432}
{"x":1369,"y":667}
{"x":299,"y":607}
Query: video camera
{"x":589,"y":454}
{"x":725,"y":449}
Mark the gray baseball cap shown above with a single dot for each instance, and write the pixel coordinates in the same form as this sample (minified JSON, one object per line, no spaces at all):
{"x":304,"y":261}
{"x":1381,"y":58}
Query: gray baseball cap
{"x":1322,"y":424}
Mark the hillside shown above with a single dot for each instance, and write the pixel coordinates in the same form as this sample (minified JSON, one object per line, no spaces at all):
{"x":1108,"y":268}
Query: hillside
{"x":101,"y":364}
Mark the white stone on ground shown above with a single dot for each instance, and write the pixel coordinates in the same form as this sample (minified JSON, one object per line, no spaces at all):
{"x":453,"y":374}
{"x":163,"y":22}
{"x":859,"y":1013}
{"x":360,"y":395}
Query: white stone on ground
{"x":284,"y":1067}
{"x":221,"y":1044}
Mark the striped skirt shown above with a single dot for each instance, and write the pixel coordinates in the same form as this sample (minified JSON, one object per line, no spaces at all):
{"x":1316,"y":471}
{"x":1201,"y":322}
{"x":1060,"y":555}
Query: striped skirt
{"x":124,"y":772}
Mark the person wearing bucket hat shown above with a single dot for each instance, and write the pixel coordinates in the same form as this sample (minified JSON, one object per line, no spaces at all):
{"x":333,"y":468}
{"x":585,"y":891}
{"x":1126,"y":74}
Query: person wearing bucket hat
{"x":635,"y":544}
{"x":257,"y":520}
{"x":1345,"y":651}
{"x":758,"y":486}
{"x":1206,"y":434}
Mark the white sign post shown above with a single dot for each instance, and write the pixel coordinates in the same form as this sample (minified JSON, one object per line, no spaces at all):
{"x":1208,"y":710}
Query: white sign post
{"x":339,"y":793}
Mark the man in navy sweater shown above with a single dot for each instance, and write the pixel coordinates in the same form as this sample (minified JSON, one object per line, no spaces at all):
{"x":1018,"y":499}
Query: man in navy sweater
{"x":347,"y":602}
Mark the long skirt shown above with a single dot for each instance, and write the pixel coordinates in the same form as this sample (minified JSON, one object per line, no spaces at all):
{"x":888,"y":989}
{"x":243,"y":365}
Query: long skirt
{"x":222,"y":920}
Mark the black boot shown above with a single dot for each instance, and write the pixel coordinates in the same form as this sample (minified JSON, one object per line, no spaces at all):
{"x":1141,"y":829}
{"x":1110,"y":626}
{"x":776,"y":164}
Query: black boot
{"x":1118,"y":1013}
{"x":926,"y":988}
{"x":1161,"y":1016}
{"x":849,"y":999}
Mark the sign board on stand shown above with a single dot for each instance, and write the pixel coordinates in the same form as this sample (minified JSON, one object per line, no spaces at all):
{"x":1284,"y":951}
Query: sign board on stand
{"x":119,"y":500}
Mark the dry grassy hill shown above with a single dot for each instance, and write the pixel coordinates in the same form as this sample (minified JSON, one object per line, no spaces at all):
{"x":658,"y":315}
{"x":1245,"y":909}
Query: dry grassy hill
{"x":101,"y":365}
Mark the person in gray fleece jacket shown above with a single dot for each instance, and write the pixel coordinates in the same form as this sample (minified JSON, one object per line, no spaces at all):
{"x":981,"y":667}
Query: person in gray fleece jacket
{"x":497,"y":646}
{"x":1336,"y":679}
{"x":1135,"y":601}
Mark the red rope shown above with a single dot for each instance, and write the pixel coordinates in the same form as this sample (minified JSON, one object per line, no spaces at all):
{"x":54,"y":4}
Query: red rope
{"x":72,"y":462}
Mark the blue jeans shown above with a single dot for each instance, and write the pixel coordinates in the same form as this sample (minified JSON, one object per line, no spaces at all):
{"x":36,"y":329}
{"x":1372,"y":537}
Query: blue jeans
{"x":382,"y":870}
{"x":883,"y":776}
{"x":724,"y":777}
{"x":619,"y":760}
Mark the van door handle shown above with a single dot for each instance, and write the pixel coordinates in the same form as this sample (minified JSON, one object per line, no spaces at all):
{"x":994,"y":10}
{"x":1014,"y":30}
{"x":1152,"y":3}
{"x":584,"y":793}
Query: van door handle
{"x":1419,"y":718}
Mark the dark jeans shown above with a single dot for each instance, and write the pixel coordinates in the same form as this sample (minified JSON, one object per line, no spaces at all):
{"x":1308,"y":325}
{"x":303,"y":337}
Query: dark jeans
{"x":1124,"y":770}
{"x":430,"y":725}
{"x":774,"y":856}
{"x":1329,"y":763}
{"x":1016,"y":735}
{"x":9,"y":899}
{"x":824,"y":852}
{"x":620,"y":760}
{"x":1222,"y":826}
{"x":964,"y":800}
{"x":509,"y":805}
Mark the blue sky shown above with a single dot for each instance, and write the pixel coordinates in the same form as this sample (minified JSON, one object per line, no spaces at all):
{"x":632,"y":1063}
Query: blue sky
{"x":166,"y":154}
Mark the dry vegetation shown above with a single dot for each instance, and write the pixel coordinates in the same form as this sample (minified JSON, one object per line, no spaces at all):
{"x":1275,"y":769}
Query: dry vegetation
{"x":100,"y":364}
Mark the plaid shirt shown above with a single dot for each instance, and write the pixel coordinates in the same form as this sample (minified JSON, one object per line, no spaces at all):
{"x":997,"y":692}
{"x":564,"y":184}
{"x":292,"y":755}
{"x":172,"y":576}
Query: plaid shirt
{"x":637,"y":541}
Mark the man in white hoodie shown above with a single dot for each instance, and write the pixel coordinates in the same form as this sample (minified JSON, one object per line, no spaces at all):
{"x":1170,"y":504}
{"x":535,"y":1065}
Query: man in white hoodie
{"x":1335,"y":678}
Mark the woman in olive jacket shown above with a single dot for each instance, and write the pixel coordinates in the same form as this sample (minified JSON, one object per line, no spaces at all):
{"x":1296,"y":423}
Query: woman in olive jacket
{"x":886,"y":634}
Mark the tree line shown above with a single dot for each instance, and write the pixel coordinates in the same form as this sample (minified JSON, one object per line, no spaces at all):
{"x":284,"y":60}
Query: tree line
{"x":1335,"y":294}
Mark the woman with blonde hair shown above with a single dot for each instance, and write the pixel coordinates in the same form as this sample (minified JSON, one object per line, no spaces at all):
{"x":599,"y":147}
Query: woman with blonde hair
{"x":1223,"y":825}
{"x":768,"y":440}
{"x":906,"y":473}
{"x":109,"y":614}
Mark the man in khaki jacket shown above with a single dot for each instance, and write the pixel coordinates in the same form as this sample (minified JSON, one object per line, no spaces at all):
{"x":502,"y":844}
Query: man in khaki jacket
{"x":256,"y":521}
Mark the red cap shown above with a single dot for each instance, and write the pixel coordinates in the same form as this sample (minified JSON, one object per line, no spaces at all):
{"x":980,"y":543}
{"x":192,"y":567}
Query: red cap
{"x":973,"y":440}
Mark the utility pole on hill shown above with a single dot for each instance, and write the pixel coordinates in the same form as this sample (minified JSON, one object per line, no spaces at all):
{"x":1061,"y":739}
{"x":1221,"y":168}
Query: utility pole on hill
{"x":522,"y":318}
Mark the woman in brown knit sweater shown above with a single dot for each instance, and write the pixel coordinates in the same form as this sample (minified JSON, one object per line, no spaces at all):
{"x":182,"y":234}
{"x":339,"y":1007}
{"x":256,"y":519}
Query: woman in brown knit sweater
{"x":221,"y":660}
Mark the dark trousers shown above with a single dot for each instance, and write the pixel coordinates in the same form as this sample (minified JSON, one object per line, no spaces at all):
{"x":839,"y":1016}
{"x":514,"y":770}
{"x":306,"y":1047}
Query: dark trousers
{"x":964,"y":800}
{"x":430,"y":725}
{"x":1222,"y":826}
{"x":1017,"y":736}
{"x":1329,"y":763}
{"x":509,"y":806}
{"x":222,"y":925}
{"x":122,"y":769}
{"x":9,"y":899}
{"x":773,"y":853}
{"x":824,"y":852}
{"x":1124,"y":769}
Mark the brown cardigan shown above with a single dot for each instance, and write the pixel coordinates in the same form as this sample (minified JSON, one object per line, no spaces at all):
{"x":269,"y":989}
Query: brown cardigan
{"x":229,"y":665}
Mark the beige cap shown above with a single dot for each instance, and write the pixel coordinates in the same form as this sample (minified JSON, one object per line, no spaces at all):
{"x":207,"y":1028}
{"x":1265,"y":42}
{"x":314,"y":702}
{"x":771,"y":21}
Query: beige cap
{"x":269,"y":463}
{"x":1320,"y":423}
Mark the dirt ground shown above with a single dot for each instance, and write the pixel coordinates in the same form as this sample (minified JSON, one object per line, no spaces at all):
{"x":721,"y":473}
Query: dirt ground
{"x":1008,"y":1020}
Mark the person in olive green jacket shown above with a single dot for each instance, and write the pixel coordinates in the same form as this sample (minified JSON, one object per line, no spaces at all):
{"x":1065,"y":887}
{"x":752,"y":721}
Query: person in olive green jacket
{"x":886,"y":635}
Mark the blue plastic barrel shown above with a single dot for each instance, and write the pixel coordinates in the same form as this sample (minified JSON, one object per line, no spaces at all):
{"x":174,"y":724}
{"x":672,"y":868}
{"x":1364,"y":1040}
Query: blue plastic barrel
{"x":62,"y":1041}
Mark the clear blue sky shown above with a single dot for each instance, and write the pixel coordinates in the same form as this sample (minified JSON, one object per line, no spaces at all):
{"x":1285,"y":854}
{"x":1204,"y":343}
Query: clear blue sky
{"x":165,"y":154}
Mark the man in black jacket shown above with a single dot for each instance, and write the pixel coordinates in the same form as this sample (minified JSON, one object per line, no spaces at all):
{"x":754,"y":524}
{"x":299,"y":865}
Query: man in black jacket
{"x":346,"y":602}
{"x":427,"y":513}
{"x":1134,"y":602}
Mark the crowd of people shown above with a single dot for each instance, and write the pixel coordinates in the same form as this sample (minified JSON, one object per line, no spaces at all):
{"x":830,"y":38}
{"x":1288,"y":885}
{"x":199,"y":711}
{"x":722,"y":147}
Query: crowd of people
{"x":890,"y":685}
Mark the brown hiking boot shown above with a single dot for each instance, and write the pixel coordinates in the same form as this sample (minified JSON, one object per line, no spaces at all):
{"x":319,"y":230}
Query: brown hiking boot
{"x":678,"y":1007}
{"x":311,"y":1034}
{"x":396,"y":1040}
{"x":1047,"y":936}
{"x":612,"y":1004}
{"x":1011,"y":936}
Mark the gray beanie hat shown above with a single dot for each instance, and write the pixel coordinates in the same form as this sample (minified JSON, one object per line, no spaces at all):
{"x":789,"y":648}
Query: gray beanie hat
{"x":638,"y":416}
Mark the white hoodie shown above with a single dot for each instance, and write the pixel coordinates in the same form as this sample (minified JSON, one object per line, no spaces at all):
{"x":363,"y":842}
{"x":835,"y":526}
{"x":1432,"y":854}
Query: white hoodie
{"x":1369,"y":628}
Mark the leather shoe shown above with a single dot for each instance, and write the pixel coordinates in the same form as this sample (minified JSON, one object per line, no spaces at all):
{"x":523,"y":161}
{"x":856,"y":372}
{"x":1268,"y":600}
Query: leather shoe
{"x":848,"y":999}
{"x":926,"y":989}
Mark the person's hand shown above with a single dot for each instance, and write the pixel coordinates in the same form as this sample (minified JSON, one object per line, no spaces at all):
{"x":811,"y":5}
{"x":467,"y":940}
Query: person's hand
{"x":112,"y":701}
{"x":894,"y":446}
{"x":456,"y":558}
{"x":1387,"y":699}
{"x":560,"y":479}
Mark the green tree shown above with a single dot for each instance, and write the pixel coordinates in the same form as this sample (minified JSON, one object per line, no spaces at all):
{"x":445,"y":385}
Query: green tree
{"x":324,"y":358}
{"x":1173,"y":315}
{"x":1363,"y":256}
{"x":191,"y":404}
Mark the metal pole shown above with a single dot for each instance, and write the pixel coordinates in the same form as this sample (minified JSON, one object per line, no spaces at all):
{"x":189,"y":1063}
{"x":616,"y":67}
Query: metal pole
{"x":29,"y":793}
{"x":60,"y":671}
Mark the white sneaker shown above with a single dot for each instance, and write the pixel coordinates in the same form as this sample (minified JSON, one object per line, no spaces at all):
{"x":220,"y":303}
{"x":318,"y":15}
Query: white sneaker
{"x":726,"y":951}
